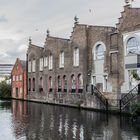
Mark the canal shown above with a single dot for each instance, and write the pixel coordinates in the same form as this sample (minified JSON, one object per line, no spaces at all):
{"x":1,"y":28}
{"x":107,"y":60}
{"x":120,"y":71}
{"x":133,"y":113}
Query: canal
{"x":33,"y":121}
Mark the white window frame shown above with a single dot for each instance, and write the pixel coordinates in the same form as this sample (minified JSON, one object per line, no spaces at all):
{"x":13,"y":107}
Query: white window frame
{"x":29,"y":66}
{"x":45,"y":61}
{"x":20,"y":77}
{"x":76,"y":57}
{"x":33,"y":65}
{"x":94,"y":50}
{"x":61,"y":59}
{"x":41,"y":64}
{"x":126,"y":47}
{"x":14,"y":78}
{"x":50,"y":62}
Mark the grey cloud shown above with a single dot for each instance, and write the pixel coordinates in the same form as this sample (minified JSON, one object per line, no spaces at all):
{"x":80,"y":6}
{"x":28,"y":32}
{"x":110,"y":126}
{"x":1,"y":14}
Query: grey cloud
{"x":22,"y":18}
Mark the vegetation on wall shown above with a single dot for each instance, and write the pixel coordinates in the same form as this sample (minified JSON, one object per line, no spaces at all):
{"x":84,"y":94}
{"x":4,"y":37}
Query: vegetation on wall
{"x":135,"y":75}
{"x":5,"y":90}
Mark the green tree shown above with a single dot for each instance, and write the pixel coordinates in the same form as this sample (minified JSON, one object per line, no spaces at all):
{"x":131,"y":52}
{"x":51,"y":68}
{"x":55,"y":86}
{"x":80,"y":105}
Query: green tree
{"x":5,"y":90}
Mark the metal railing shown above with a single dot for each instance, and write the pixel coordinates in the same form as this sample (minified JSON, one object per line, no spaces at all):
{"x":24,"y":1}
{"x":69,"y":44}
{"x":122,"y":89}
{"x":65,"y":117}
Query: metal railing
{"x":126,"y":99}
{"x":95,"y":91}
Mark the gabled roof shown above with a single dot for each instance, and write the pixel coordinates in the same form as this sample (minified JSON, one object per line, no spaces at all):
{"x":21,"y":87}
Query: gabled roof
{"x":22,"y":64}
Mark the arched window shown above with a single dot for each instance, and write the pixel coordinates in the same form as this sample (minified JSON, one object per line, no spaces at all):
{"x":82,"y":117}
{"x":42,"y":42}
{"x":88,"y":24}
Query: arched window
{"x":80,"y":83}
{"x":59,"y":84}
{"x":99,"y":51}
{"x":41,"y":84}
{"x":33,"y":65}
{"x":64,"y":83}
{"x":33,"y":84}
{"x":29,"y":84}
{"x":45,"y":61}
{"x":73,"y":83}
{"x":29,"y":66}
{"x":50,"y":84}
{"x":50,"y":62}
{"x":61,"y":59}
{"x":133,"y":45}
{"x":76,"y":57}
{"x":41,"y":64}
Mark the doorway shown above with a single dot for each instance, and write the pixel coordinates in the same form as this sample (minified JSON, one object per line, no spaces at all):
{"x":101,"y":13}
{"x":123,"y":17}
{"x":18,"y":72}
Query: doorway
{"x":16,"y":92}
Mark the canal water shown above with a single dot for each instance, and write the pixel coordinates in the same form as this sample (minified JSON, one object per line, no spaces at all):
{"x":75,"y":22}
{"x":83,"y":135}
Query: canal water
{"x":33,"y":121}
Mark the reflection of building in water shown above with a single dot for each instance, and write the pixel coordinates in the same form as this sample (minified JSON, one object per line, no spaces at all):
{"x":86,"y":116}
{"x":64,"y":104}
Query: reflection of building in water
{"x":35,"y":121}
{"x":20,"y":120}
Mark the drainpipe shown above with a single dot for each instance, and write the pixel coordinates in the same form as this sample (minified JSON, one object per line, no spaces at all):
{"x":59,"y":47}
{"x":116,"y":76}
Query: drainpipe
{"x":26,"y":74}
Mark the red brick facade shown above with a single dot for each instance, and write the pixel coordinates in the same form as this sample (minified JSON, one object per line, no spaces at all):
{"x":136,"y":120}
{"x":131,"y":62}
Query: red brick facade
{"x":19,"y":80}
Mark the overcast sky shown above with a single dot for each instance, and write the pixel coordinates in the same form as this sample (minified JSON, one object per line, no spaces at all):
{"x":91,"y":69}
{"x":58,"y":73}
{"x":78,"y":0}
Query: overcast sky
{"x":20,"y":19}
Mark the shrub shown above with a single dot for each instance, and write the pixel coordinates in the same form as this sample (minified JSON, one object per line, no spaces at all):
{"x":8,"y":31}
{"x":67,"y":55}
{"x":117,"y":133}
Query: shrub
{"x":5,"y":90}
{"x":135,"y":109}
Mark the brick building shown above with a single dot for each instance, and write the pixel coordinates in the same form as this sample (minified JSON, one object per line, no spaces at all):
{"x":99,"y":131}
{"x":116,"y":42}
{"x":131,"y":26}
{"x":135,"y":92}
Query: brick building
{"x":100,"y":55}
{"x":18,"y":79}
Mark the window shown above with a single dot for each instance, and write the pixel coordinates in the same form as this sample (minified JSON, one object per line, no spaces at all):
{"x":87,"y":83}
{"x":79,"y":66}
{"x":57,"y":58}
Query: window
{"x":45,"y":61}
{"x":29,"y":66}
{"x":80,"y":83}
{"x":133,"y":45}
{"x":50,"y":62}
{"x":33,"y":65}
{"x":94,"y":80}
{"x":13,"y":77}
{"x":20,"y":90}
{"x":17,"y":78}
{"x":59,"y":84}
{"x":29,"y":84}
{"x":99,"y":51}
{"x":76,"y":57}
{"x":41,"y":84}
{"x":41,"y":64}
{"x":73,"y":83}
{"x":64,"y":83}
{"x":20,"y":77}
{"x":61,"y":59}
{"x":50,"y":84}
{"x":105,"y":82}
{"x":33,"y":84}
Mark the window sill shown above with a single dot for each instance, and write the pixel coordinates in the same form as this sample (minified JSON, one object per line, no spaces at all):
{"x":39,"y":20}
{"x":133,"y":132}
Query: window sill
{"x":75,"y":66}
{"x":61,"y":67}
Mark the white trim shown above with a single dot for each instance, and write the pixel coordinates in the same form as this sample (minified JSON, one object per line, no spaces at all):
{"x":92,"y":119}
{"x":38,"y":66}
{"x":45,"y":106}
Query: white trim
{"x":94,"y":48}
{"x":113,"y":52}
{"x":126,"y":39}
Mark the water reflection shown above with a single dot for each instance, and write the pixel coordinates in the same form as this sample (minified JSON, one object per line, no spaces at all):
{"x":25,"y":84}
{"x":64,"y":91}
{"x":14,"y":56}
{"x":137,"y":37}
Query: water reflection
{"x":32,"y":121}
